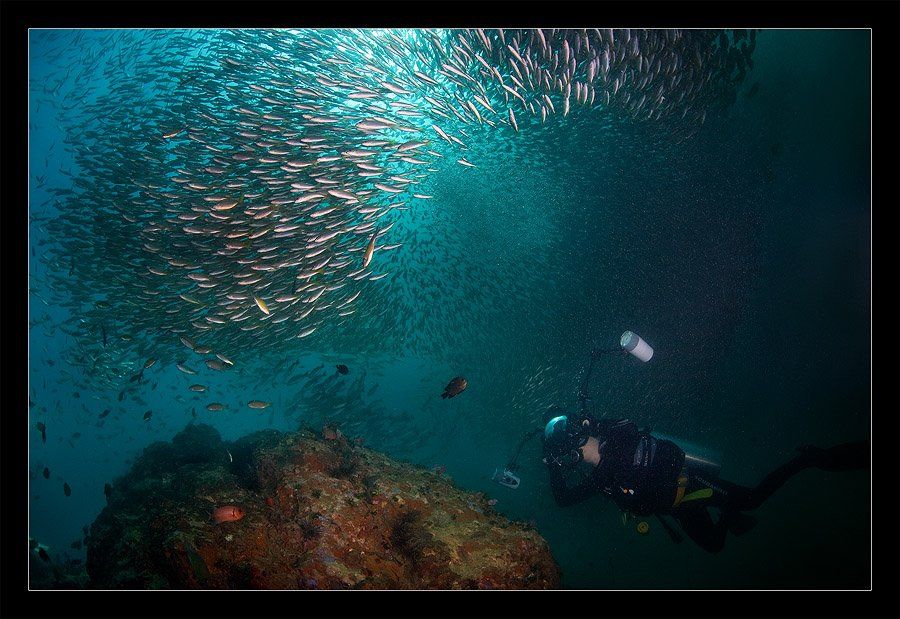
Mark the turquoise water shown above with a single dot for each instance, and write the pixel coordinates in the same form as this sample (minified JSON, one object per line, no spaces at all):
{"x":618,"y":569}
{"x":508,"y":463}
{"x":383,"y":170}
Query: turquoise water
{"x":740,"y":252}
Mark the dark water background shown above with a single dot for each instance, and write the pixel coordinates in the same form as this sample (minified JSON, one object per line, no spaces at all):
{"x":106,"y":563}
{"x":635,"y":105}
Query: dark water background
{"x":742,"y":255}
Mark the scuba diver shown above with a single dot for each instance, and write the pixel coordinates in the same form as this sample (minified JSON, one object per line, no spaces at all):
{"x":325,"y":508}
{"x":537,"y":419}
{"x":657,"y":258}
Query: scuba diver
{"x":647,"y":475}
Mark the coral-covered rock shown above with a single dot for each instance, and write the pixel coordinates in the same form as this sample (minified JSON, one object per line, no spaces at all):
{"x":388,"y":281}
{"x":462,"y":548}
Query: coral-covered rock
{"x":310,"y":512}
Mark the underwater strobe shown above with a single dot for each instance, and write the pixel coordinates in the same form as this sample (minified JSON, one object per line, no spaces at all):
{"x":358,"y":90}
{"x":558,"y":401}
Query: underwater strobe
{"x":633,"y":343}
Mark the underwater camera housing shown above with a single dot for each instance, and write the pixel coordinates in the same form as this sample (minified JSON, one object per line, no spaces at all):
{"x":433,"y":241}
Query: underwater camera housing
{"x":506,"y":478}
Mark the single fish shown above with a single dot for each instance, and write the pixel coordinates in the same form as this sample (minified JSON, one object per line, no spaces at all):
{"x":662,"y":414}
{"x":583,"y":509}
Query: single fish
{"x":331,"y":432}
{"x":262,"y":305}
{"x":370,"y":249}
{"x":258,"y":404}
{"x":228,"y":513}
{"x":67,"y":489}
{"x":455,"y":387}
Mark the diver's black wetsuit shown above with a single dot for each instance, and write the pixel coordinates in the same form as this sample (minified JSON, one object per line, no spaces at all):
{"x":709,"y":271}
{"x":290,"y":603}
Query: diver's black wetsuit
{"x":642,"y":475}
{"x":639,"y":472}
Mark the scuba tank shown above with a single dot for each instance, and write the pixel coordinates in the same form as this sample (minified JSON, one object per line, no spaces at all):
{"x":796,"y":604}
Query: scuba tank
{"x":696,"y":457}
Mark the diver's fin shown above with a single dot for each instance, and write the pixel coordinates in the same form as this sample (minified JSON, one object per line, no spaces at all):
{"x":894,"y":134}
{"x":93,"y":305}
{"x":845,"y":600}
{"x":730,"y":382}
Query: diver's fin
{"x":843,"y":457}
{"x":739,"y":523}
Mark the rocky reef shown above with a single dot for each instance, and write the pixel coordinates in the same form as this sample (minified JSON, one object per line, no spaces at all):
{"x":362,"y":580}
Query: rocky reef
{"x":48,"y":574}
{"x":310,"y":510}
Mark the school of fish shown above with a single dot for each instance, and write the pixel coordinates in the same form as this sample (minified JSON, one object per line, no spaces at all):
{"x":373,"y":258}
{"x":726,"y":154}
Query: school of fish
{"x":244,"y":190}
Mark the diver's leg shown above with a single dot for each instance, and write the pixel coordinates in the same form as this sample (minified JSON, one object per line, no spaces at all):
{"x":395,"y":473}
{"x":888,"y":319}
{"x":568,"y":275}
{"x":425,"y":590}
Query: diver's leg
{"x":843,"y":457}
{"x":742,"y":498}
{"x":698,"y":525}
{"x":731,"y":498}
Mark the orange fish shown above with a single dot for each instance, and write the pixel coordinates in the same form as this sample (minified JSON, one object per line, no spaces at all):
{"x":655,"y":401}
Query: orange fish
{"x":229,"y":513}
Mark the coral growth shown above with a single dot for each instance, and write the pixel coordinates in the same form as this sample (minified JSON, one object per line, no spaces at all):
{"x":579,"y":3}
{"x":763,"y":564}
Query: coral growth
{"x":317,"y":512}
